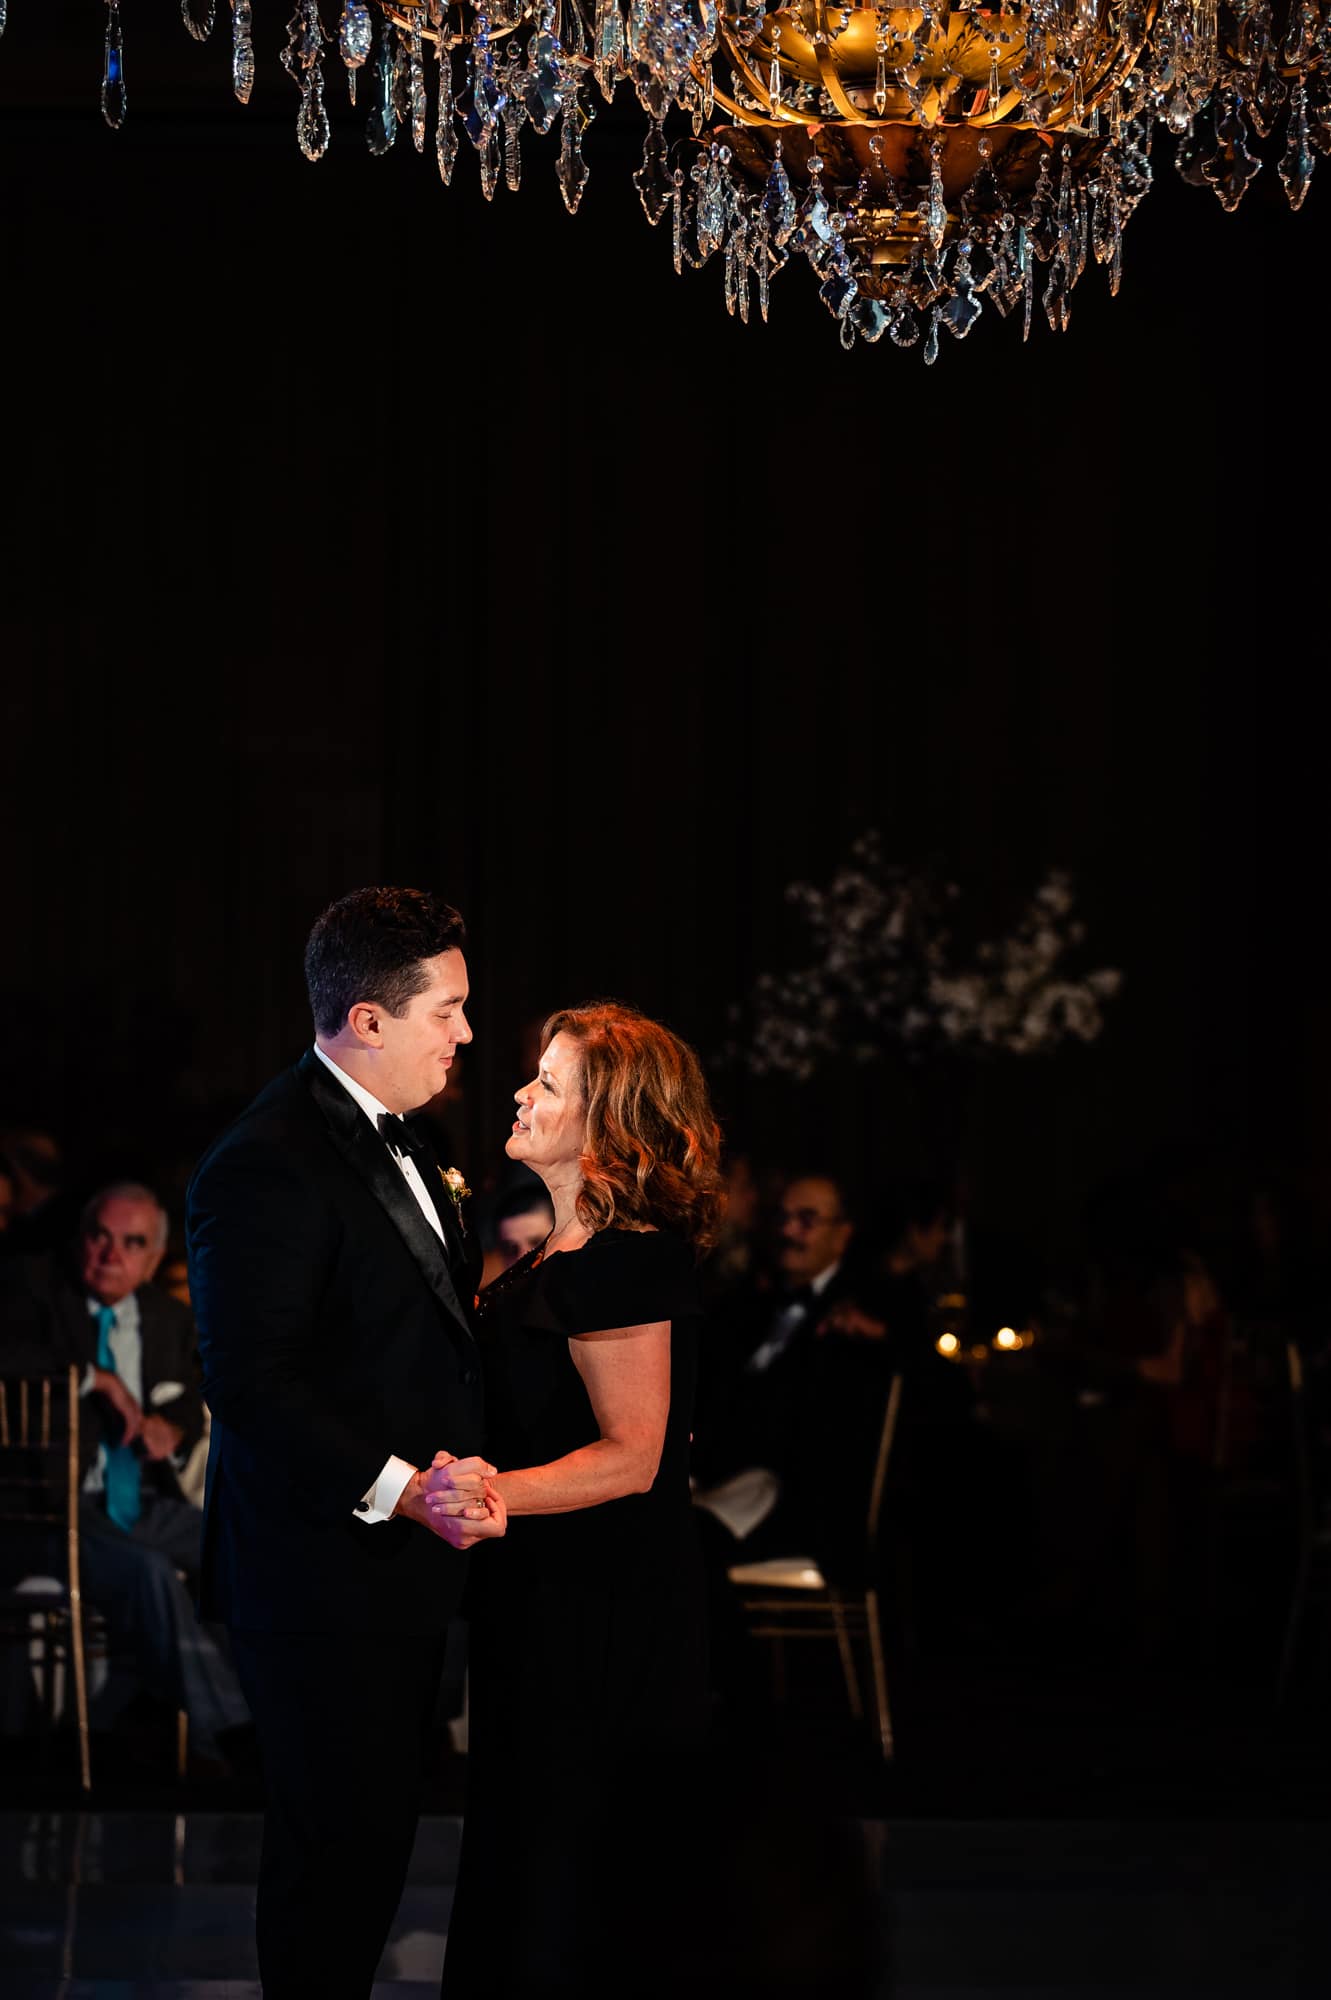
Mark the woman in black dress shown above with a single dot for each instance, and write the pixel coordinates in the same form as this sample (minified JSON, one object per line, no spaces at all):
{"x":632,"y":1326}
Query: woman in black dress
{"x":587,"y":1667}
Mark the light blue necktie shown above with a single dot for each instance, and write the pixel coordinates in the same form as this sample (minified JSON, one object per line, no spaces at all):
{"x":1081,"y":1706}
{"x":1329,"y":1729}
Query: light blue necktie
{"x":122,"y":1463}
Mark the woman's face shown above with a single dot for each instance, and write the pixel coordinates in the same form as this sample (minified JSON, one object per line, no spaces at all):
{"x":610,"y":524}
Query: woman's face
{"x":550,"y":1129}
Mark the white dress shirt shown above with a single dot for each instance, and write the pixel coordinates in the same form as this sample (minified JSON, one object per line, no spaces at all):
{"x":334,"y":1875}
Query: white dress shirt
{"x":378,"y":1504}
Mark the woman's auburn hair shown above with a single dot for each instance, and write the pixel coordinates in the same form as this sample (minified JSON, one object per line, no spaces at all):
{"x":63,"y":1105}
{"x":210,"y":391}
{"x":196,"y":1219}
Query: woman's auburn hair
{"x":652,"y":1151}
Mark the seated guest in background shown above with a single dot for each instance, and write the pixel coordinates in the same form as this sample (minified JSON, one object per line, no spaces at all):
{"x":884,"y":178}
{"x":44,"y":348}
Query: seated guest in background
{"x":143,"y":1416}
{"x":523,"y":1218}
{"x":761,"y":1366}
{"x":731,"y":1262}
{"x":38,"y":1217}
{"x":173,"y":1273}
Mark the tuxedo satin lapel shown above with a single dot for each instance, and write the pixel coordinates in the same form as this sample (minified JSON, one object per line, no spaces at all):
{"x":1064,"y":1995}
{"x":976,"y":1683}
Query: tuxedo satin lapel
{"x":358,"y":1142}
{"x":450,"y":1215}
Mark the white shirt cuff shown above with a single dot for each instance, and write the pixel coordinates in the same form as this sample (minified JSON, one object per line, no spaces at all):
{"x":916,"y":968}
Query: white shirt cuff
{"x":387,"y":1490}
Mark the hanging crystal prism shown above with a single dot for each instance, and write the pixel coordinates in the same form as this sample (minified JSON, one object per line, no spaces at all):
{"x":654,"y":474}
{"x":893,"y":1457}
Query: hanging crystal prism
{"x":778,"y":204}
{"x":653,"y":179}
{"x":1297,"y":160}
{"x":542,"y":91}
{"x":1232,"y":166}
{"x":312,"y":130}
{"x":416,"y":102}
{"x":1265,"y":101}
{"x":446,"y":139}
{"x":935,"y":218}
{"x":572,"y":170}
{"x":114,"y":101}
{"x":355,"y":39}
{"x":609,"y":46}
{"x":200,"y":26}
{"x":488,"y":153}
{"x":515,"y":117}
{"x":381,"y":127}
{"x":242,"y":49}
{"x":961,"y":311}
{"x":302,"y":59}
{"x":742,"y":272}
{"x":305,"y":39}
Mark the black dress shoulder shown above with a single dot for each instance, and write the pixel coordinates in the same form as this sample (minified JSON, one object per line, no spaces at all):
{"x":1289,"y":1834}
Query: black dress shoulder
{"x":621,"y":1277}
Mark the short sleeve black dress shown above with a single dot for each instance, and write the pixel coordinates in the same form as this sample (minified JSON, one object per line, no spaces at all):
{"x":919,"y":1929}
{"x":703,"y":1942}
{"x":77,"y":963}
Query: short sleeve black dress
{"x":587,"y":1672}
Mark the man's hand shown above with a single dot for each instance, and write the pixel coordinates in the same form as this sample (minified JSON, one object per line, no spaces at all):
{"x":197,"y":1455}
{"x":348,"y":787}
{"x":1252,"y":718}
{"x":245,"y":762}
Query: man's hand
{"x":107,"y":1383}
{"x":454,"y":1500}
{"x":160,"y":1439}
{"x":852,"y":1322}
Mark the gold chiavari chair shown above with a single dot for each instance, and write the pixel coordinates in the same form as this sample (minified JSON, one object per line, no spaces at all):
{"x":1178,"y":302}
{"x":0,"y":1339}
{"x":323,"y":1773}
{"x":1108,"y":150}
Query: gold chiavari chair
{"x":788,"y":1597}
{"x":39,"y":1491}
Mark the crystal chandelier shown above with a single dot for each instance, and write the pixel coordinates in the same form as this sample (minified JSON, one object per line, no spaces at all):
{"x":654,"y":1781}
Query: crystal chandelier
{"x":925,"y":161}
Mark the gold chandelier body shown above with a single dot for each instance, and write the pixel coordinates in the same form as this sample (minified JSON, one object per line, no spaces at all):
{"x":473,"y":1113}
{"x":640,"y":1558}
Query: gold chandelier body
{"x":927,"y":161}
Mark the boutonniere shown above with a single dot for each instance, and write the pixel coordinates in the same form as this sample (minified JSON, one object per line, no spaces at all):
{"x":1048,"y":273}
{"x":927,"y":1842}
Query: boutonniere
{"x":457,"y":1187}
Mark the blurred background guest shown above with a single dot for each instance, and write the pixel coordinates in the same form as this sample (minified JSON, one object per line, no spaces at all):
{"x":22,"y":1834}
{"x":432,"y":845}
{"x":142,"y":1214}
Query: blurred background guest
{"x":39,"y":1216}
{"x":520,"y":1221}
{"x":140,"y":1535}
{"x":731,"y":1263}
{"x":8,"y":1196}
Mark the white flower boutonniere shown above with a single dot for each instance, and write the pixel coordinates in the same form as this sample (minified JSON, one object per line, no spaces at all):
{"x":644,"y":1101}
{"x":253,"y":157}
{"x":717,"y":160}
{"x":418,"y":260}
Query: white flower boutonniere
{"x":456,"y":1185}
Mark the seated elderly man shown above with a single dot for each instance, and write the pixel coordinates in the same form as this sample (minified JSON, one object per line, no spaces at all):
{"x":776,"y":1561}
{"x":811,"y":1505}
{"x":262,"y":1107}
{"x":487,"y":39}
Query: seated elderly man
{"x":777,"y":1368}
{"x":143,"y":1414}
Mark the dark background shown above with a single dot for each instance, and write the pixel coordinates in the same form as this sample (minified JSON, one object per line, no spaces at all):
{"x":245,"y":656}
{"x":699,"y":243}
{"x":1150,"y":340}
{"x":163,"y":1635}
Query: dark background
{"x":357,"y":531}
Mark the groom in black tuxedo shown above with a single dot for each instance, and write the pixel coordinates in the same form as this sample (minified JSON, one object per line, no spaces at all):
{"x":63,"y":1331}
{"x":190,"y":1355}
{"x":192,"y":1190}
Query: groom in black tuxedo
{"x":333,"y":1282}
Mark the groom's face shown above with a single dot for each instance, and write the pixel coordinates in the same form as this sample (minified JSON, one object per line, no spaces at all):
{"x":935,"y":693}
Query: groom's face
{"x":419,"y":1045}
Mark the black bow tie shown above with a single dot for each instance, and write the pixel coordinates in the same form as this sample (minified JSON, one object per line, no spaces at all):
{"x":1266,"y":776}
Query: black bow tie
{"x":399,"y":1135}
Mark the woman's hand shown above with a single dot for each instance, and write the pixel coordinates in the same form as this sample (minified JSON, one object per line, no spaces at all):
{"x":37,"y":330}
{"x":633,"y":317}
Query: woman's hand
{"x":465,"y":1525}
{"x":457,"y":1482}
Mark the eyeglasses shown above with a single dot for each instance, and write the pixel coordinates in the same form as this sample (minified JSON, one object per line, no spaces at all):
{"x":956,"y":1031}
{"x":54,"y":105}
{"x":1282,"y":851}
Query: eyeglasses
{"x":809,"y":1218}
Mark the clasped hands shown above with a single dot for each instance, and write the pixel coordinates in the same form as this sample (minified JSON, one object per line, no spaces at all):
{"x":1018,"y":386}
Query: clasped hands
{"x":456,"y":1499}
{"x":158,"y":1438}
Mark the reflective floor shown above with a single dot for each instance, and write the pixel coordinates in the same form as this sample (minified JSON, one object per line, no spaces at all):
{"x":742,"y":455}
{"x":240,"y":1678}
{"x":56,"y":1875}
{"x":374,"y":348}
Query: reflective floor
{"x":154,"y":1906}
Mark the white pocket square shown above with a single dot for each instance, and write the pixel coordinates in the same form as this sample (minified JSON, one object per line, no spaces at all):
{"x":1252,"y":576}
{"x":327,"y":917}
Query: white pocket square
{"x":165,"y":1392}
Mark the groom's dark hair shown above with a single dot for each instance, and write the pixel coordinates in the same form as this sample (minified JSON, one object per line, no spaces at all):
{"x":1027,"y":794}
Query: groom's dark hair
{"x":371,"y":945}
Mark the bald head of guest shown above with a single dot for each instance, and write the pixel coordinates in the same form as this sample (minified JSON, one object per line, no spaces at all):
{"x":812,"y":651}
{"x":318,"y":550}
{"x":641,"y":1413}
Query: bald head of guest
{"x":122,"y":1240}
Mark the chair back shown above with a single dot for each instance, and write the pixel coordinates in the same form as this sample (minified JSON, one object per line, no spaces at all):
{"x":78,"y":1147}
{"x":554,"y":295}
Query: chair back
{"x":39,"y":1449}
{"x":1304,"y":1483}
{"x":39,"y":1490}
{"x":886,"y":1440}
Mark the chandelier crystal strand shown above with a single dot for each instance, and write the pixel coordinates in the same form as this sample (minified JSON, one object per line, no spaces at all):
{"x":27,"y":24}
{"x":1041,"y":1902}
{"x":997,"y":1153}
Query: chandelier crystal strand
{"x":355,"y":39}
{"x":416,"y":102}
{"x":923,"y":161}
{"x":242,"y":49}
{"x":381,"y":126}
{"x":515,"y":117}
{"x":114,"y":101}
{"x":200,"y":26}
{"x":446,"y":127}
{"x":303,"y":59}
